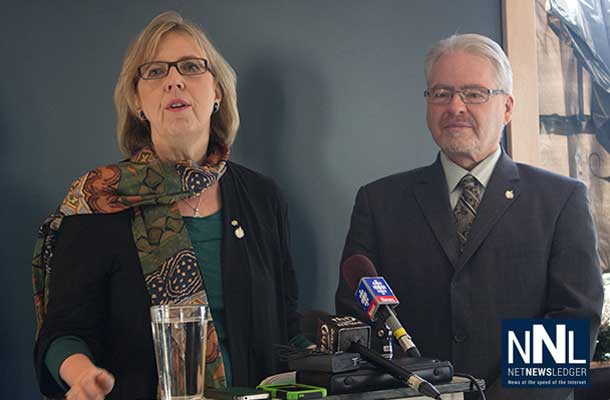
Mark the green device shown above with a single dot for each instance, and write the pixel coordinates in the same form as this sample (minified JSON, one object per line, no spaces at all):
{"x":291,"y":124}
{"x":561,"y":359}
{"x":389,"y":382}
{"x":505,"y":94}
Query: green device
{"x":294,"y":391}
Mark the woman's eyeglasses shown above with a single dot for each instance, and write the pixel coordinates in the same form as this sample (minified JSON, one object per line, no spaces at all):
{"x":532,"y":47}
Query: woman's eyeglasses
{"x":160,"y":69}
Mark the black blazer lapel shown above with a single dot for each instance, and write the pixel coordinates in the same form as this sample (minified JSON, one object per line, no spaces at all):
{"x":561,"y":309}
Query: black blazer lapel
{"x":501,"y":192}
{"x":433,"y":197}
{"x":237,"y":286}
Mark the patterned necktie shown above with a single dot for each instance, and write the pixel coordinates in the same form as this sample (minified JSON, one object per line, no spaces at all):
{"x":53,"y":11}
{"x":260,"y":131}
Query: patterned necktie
{"x":466,"y":208}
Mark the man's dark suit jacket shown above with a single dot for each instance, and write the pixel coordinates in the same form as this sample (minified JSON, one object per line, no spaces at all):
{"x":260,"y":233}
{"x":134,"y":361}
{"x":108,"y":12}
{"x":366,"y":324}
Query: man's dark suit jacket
{"x":531,"y":253}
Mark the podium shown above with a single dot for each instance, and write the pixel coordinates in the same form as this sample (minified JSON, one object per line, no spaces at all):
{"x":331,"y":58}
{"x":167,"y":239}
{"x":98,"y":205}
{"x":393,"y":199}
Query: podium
{"x":453,"y":390}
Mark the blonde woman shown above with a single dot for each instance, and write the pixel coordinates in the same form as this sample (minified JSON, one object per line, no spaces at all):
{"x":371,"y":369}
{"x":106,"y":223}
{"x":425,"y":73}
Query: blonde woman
{"x":177,"y":222}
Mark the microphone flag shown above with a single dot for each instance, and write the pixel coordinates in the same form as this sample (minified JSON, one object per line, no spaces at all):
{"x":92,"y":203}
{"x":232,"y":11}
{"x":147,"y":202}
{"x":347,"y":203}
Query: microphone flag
{"x":372,"y":293}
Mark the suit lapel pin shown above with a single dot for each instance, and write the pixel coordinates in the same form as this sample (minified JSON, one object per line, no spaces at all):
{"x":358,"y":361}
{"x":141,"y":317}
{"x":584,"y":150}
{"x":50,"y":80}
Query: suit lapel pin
{"x":239,"y":231}
{"x":509,"y":194}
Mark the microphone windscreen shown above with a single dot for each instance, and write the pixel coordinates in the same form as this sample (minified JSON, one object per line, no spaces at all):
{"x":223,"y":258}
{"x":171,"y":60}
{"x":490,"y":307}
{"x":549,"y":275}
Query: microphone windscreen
{"x":356,"y":267}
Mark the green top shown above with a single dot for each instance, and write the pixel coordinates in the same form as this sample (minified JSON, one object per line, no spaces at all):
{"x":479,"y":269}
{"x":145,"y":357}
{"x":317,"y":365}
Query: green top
{"x":206,"y":236}
{"x":60,"y":349}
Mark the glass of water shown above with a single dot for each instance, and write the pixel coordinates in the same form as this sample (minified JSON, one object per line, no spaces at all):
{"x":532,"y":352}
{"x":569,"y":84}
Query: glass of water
{"x":179,"y":334}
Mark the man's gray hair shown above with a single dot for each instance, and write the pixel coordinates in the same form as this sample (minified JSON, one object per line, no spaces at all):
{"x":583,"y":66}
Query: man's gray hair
{"x":477,"y":45}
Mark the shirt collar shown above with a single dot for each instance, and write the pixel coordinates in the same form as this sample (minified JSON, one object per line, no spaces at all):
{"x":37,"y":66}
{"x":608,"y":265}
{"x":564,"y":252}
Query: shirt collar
{"x":482,"y":172}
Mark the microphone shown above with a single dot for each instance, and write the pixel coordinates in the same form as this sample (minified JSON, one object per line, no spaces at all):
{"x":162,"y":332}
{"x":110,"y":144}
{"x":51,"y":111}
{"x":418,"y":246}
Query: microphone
{"x":338,"y":333}
{"x":376,"y":298}
{"x":412,"y":380}
{"x":332,"y":333}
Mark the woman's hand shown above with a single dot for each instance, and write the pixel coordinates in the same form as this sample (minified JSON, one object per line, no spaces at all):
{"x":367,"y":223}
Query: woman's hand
{"x":87,"y":382}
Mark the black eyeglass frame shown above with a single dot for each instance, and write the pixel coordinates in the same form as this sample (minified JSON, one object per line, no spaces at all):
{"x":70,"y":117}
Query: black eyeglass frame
{"x":175,"y":64}
{"x":460,"y":92}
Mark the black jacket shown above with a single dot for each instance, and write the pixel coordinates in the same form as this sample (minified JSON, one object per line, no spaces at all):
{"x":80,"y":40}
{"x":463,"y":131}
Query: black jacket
{"x":98,"y":291}
{"x":531,"y":253}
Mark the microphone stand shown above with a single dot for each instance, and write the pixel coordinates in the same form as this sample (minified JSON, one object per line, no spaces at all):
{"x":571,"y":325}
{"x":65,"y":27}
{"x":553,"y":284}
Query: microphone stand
{"x":409,"y":378}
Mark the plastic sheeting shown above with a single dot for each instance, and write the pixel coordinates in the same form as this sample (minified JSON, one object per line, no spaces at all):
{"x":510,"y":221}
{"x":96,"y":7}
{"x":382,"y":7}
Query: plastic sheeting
{"x":573,"y":127}
{"x":585,"y":24}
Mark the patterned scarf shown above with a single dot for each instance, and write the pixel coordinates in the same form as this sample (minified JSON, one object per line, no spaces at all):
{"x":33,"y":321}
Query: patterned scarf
{"x":151,"y":188}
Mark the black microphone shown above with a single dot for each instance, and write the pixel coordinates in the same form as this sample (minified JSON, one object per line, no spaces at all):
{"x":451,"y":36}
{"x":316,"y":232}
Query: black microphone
{"x":409,"y":378}
{"x":376,"y":298}
{"x":336,"y":333}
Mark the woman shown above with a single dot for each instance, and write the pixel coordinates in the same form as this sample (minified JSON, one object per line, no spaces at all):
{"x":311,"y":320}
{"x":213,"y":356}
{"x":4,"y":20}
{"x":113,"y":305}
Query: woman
{"x":152,"y":229}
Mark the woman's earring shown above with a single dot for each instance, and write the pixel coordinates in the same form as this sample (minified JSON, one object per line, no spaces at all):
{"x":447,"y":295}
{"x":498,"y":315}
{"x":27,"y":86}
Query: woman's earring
{"x":215,"y":108}
{"x":142,"y":115}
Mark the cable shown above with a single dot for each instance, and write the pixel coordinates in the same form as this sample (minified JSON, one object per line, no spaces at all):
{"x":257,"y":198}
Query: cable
{"x":474,"y":382}
{"x":287,"y":352}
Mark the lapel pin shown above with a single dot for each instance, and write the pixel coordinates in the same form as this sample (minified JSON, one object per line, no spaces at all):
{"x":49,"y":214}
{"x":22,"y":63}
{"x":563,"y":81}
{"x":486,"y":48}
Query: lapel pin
{"x":509,"y":194}
{"x":239,"y":231}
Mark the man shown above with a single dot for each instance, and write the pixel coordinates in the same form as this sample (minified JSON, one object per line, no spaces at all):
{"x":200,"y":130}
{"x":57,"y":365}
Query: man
{"x":476,"y":238}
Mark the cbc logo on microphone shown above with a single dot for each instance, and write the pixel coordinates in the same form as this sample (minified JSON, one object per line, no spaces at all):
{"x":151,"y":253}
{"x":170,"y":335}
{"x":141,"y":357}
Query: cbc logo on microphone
{"x":545,"y":353}
{"x":379,"y":287}
{"x":364,"y":298}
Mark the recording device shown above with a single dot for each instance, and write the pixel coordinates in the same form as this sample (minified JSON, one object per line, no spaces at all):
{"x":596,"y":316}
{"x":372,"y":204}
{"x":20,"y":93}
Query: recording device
{"x":235,"y":393}
{"x":370,"y":378}
{"x":319,"y":361}
{"x":376,"y":298}
{"x":412,"y":380}
{"x":333,"y":336}
{"x":336,"y":334}
{"x":347,"y":333}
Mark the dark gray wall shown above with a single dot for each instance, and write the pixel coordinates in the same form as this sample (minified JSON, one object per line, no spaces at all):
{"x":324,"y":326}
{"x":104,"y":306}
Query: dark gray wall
{"x":330,"y":94}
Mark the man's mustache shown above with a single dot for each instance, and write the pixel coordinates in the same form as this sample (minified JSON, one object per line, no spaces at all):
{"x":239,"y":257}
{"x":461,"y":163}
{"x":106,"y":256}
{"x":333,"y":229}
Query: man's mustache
{"x":466,"y":121}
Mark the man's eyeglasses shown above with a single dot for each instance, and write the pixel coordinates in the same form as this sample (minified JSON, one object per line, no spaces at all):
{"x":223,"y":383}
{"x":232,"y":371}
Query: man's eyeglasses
{"x":160,"y":69}
{"x":471,"y":95}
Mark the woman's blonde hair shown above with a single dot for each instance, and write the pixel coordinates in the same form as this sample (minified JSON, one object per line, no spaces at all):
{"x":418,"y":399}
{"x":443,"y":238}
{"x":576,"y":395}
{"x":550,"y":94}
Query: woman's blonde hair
{"x":132,"y":132}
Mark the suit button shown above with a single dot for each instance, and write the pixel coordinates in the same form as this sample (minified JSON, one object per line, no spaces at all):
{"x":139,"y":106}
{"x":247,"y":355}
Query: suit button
{"x":460,"y":337}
